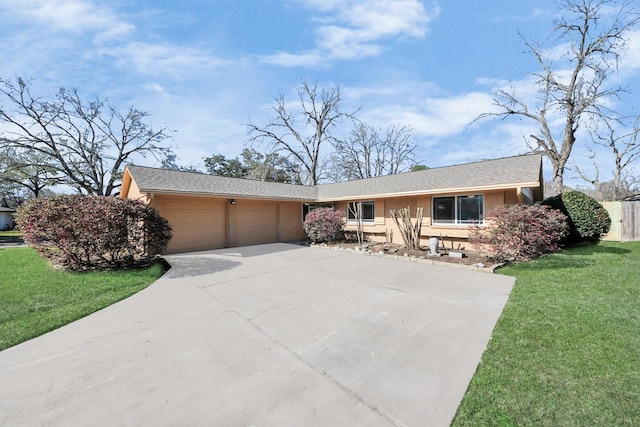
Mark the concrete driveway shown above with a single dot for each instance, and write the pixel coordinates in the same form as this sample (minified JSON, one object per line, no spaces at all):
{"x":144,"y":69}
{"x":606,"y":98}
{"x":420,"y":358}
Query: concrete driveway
{"x":268,"y":335}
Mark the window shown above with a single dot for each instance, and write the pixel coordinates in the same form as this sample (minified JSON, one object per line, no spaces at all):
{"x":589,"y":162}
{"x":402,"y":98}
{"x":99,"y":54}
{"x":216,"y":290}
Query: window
{"x":367,"y":212}
{"x":458,"y":209}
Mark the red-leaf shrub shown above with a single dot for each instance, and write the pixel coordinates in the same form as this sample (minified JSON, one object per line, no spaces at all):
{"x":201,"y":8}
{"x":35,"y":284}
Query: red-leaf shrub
{"x":77,"y":232}
{"x":518,"y":233}
{"x":324,"y":224}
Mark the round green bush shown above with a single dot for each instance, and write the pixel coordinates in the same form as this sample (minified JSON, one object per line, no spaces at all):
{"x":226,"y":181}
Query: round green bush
{"x":588,"y":219}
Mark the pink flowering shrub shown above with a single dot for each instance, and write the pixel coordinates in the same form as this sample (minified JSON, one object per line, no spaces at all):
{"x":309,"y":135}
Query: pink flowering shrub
{"x":77,"y":232}
{"x":324,"y":225}
{"x":518,"y":233}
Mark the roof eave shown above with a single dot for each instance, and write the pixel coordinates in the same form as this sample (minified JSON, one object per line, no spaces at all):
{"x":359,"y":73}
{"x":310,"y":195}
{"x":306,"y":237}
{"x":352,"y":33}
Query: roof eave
{"x":157,"y":191}
{"x":453,"y":190}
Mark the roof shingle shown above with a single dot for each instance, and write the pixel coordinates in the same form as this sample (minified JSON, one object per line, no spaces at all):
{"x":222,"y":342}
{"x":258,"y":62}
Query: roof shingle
{"x":519,"y":171}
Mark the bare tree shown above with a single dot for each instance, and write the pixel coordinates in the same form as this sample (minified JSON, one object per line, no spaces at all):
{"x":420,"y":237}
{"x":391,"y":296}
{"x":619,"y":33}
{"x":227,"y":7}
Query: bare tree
{"x":368,"y":153}
{"x":593,"y":35}
{"x":622,"y":142}
{"x":87,"y":143}
{"x":300,"y":134}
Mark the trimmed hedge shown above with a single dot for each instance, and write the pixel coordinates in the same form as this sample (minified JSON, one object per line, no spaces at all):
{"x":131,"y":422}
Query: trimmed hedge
{"x":519,"y":233}
{"x":588,"y":219}
{"x":324,"y":225}
{"x":77,"y":232}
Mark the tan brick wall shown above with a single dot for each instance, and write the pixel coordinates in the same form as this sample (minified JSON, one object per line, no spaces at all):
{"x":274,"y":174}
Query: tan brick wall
{"x":290,"y":222}
{"x":385,"y":229}
{"x":252,"y":222}
{"x":198,"y":223}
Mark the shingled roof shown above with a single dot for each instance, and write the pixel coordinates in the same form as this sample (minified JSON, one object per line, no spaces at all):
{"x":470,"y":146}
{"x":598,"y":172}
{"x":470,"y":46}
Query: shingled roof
{"x":152,"y":180}
{"x":510,"y":172}
{"x":520,"y":171}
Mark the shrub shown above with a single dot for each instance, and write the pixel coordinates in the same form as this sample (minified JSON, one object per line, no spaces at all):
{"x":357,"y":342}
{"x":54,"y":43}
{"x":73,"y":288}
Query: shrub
{"x":518,"y":233}
{"x":588,"y":219}
{"x":77,"y":232}
{"x":324,"y":224}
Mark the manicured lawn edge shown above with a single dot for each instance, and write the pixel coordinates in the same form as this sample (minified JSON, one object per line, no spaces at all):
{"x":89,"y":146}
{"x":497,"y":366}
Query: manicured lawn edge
{"x":35,"y":298}
{"x":566,"y":350}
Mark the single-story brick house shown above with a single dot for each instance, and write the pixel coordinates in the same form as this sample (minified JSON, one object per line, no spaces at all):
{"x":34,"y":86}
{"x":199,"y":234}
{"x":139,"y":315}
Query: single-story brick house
{"x":210,"y":212}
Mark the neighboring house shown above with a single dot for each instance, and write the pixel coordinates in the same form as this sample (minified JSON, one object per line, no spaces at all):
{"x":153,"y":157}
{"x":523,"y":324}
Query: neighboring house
{"x":6,"y":218}
{"x":208,"y":211}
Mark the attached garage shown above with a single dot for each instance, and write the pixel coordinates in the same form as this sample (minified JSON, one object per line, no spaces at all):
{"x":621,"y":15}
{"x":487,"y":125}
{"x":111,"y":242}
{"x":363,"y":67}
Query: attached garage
{"x":198,"y":223}
{"x":252,"y":222}
{"x":210,"y":212}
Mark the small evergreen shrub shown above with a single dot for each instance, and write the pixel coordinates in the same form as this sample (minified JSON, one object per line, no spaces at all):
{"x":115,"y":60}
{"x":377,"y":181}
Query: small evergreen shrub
{"x":324,"y":225}
{"x":588,"y":219}
{"x":77,"y":232}
{"x":519,"y":233}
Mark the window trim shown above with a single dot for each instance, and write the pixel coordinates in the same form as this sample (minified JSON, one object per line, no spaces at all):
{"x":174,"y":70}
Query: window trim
{"x":456,"y":220}
{"x":353,"y":220}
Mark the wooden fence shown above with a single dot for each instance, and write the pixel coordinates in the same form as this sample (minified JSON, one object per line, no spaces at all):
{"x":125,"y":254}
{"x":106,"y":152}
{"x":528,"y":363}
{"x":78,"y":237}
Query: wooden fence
{"x":625,"y":221}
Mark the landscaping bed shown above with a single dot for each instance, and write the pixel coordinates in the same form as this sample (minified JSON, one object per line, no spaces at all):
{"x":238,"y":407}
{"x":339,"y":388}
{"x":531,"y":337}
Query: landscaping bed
{"x":465,"y":257}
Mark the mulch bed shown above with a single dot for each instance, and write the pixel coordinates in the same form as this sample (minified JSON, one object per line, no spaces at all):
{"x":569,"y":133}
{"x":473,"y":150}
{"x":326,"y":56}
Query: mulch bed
{"x":470,"y":258}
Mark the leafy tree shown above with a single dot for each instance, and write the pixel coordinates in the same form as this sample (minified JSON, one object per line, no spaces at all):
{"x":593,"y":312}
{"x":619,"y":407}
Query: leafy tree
{"x":593,"y":34}
{"x":26,"y":172}
{"x":170,"y":161}
{"x":301,"y":134}
{"x":78,"y":232}
{"x":369,"y":153}
{"x":254,"y":165}
{"x":220,"y":165}
{"x":87,"y":143}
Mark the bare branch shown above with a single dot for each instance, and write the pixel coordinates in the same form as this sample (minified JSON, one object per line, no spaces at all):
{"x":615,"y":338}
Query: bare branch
{"x":88,"y":143}
{"x":578,"y":87}
{"x":301,"y":134}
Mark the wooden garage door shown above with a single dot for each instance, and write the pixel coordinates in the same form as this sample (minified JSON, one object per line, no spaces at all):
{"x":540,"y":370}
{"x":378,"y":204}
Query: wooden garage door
{"x":198,"y":223}
{"x":252,"y":222}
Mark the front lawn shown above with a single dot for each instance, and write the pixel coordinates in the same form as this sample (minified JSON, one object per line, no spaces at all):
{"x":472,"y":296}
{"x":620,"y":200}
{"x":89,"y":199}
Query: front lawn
{"x":566,"y":350}
{"x":34,"y":298}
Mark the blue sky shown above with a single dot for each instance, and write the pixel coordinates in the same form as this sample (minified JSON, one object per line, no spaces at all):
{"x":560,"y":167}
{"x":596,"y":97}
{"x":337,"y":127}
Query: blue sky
{"x":204,"y":67}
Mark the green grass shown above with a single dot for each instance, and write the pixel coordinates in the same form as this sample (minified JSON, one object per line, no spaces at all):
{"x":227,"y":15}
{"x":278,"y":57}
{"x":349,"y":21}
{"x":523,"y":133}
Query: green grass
{"x":35,"y":298}
{"x":566,"y":350}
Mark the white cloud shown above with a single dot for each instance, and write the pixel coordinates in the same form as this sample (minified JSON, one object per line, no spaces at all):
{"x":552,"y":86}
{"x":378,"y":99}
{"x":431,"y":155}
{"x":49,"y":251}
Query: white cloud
{"x":631,"y":58}
{"x":164,"y":59}
{"x":73,"y":16}
{"x":432,"y":117}
{"x":357,"y":28}
{"x":284,"y":59}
